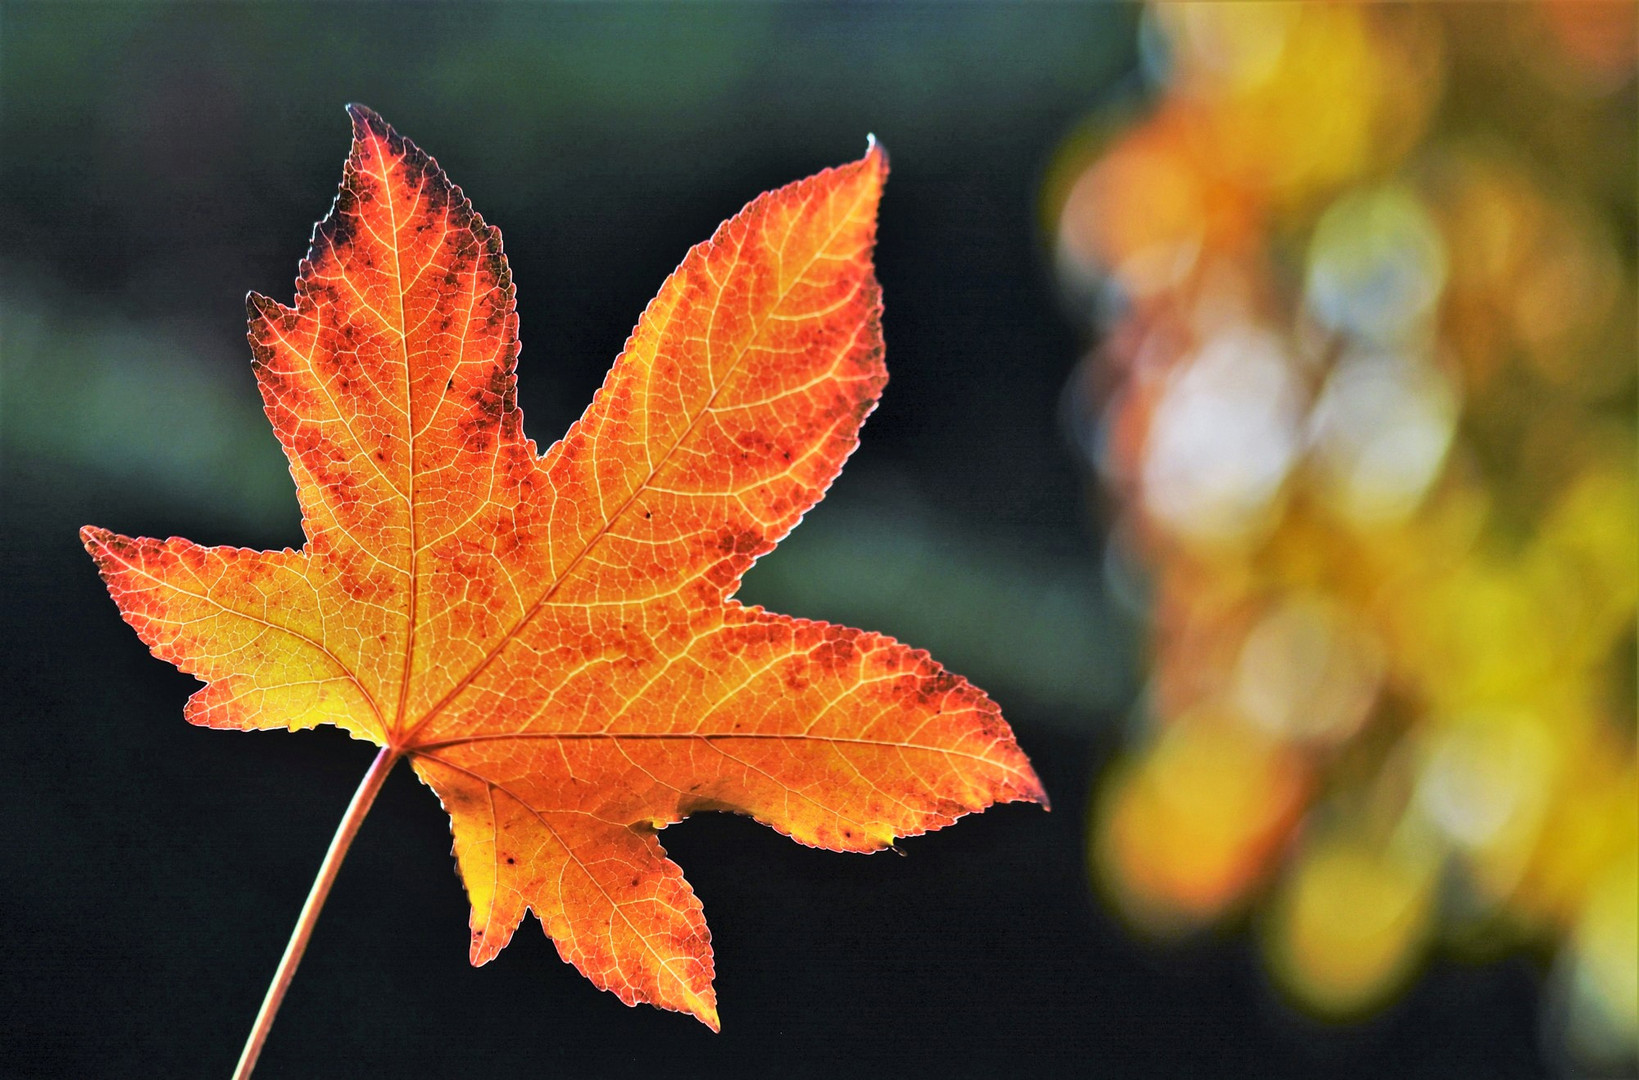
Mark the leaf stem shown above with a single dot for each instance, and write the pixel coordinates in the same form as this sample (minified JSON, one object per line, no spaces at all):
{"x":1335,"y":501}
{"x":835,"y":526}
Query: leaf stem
{"x":349,"y":827}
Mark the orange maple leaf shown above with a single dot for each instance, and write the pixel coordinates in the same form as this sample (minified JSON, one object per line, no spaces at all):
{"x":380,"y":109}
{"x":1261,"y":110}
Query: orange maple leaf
{"x":549,"y":638}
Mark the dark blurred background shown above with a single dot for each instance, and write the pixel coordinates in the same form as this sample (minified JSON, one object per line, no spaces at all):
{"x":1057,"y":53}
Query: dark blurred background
{"x":161,"y":161}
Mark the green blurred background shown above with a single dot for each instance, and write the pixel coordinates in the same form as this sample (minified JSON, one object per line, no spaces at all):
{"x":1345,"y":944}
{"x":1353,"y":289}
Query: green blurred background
{"x":159,"y":161}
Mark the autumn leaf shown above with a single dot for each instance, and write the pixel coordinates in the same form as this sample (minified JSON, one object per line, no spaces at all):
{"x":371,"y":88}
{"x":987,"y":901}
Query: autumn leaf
{"x":550,"y":639}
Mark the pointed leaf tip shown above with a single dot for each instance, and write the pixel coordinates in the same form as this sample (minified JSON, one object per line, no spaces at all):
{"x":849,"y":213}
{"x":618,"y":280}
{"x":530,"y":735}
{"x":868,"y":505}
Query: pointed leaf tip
{"x":878,"y":153}
{"x":366,"y":121}
{"x":874,"y":150}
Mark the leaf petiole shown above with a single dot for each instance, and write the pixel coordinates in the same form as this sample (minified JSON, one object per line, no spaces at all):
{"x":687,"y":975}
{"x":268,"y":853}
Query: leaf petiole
{"x":349,"y":827}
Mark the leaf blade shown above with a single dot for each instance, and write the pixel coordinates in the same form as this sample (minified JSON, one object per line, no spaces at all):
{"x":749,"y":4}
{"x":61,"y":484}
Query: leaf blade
{"x":551,"y":639}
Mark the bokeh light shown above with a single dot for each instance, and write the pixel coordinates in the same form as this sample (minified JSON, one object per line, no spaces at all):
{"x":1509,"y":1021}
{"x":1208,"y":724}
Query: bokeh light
{"x":1362,"y":281}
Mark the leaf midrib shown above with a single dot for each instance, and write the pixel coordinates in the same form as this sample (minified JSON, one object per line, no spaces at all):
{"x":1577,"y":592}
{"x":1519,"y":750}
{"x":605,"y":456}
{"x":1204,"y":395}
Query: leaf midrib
{"x":766,"y":736}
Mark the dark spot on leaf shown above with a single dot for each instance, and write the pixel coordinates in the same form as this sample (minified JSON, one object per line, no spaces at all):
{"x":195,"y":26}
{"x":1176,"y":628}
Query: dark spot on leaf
{"x":834,"y":652}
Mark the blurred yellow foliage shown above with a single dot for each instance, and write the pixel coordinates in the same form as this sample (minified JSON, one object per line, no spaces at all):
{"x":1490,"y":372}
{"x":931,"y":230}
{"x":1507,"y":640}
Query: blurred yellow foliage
{"x":1365,"y":395}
